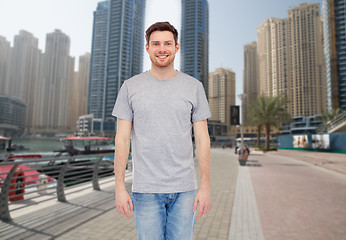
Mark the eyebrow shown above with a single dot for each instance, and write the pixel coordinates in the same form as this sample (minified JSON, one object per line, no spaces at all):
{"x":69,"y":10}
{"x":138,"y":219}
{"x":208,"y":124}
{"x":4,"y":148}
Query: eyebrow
{"x":169,"y":41}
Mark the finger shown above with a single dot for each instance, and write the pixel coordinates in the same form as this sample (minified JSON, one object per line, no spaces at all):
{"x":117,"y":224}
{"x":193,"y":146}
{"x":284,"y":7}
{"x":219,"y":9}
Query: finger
{"x":200,"y":211}
{"x":207,"y":210}
{"x":195,"y":205}
{"x":131,"y":205}
{"x":203,"y":209}
{"x":127,"y":212}
{"x":120,"y":210}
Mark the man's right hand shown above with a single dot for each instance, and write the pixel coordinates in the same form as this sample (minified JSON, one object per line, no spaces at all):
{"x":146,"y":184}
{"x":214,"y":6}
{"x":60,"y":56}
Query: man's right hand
{"x":123,"y":203}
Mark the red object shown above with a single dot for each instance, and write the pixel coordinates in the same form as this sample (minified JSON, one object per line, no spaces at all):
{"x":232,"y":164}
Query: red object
{"x":87,"y":138}
{"x":244,"y":156}
{"x":16,"y":191}
{"x":23,"y":176}
{"x":25,"y":156}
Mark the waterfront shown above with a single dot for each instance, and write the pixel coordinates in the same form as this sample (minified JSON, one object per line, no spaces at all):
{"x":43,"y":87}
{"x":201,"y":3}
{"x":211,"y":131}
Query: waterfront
{"x":45,"y":147}
{"x":275,"y":196}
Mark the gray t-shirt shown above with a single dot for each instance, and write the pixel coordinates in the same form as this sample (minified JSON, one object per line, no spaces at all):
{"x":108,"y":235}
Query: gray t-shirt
{"x":162,"y":112}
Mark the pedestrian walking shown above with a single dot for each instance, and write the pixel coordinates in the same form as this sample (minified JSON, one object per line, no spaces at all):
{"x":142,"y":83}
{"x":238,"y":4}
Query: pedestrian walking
{"x":156,"y":112}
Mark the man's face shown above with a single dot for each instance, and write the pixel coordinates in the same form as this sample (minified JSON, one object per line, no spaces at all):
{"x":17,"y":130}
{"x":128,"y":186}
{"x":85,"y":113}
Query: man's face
{"x":161,"y":48}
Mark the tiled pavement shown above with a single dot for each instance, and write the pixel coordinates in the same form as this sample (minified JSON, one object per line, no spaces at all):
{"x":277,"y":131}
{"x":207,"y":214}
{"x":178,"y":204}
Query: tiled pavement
{"x":91,"y":215}
{"x":287,"y":198}
{"x":334,"y":162}
{"x":245,"y":222}
{"x":298,"y":201}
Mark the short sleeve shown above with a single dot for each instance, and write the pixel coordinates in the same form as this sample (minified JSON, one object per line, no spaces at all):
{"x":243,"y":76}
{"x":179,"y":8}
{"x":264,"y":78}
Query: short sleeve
{"x":122,"y":107}
{"x":200,"y":110}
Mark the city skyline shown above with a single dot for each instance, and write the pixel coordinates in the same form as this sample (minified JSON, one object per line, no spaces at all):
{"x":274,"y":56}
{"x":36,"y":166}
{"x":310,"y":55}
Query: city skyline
{"x":225,"y":46}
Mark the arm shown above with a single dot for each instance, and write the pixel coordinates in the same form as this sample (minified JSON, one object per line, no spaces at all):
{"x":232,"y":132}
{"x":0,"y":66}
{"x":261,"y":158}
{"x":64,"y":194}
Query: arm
{"x":122,"y":147}
{"x":202,"y":141}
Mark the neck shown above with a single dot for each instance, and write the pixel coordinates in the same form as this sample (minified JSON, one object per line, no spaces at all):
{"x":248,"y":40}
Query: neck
{"x":163,"y":73}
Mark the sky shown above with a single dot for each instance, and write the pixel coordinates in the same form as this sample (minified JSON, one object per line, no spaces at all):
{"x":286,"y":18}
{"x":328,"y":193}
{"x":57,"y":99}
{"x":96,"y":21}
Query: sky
{"x":232,"y":24}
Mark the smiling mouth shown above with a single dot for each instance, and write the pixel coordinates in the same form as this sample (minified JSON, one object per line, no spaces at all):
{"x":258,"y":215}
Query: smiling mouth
{"x":162,"y":56}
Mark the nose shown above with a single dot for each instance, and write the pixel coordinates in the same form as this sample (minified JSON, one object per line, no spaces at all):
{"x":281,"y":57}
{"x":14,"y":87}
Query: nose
{"x":162,"y":47}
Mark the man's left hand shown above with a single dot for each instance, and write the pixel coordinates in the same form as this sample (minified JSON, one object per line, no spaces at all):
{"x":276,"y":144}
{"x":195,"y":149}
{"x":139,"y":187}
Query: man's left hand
{"x":204,"y":201}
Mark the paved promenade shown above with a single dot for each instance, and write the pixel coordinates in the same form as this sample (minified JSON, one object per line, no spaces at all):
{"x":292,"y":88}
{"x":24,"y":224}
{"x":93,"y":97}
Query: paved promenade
{"x":91,"y":214}
{"x":300,"y":200}
{"x":275,"y":196}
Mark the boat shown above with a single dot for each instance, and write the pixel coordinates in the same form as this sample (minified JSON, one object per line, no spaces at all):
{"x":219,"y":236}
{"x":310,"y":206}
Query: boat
{"x":16,"y":147}
{"x":6,"y":149}
{"x":4,"y":154}
{"x":86,"y":145}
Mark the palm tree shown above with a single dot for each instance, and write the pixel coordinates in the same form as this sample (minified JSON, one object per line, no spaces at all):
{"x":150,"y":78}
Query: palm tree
{"x":268,"y":112}
{"x":327,"y":117}
{"x":253,"y":121}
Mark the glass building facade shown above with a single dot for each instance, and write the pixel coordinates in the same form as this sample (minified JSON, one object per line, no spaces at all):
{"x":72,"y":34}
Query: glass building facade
{"x":195,"y":40}
{"x":121,"y":42}
{"x":334,"y":20}
{"x":12,"y":116}
{"x":98,"y":60}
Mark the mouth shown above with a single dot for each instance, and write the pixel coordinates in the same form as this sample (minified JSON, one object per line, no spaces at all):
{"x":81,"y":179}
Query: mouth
{"x":161,"y":57}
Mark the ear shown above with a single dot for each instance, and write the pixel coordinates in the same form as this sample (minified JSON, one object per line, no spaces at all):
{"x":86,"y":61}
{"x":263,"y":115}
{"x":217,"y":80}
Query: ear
{"x":147,"y":48}
{"x":177,"y":47}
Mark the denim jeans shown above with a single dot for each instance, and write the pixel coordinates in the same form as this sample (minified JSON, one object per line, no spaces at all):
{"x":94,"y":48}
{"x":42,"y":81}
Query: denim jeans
{"x":164,"y":216}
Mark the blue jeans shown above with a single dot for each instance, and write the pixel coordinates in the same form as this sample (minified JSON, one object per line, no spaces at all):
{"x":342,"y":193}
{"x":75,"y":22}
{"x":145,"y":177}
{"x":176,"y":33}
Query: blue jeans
{"x":164,"y":216}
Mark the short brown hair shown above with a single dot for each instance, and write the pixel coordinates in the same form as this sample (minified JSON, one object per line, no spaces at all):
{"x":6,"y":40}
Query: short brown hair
{"x":162,"y":26}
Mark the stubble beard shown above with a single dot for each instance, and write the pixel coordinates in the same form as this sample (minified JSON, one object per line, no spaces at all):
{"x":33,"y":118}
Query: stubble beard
{"x":163,"y":64}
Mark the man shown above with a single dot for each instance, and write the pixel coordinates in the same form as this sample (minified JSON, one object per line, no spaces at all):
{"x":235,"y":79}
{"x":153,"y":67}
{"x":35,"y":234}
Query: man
{"x":156,"y":111}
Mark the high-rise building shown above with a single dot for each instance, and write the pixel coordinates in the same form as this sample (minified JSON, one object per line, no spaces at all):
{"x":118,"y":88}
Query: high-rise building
{"x":12,"y":116}
{"x":5,"y":47}
{"x":334,"y":16}
{"x":221,"y":94}
{"x":23,"y":71}
{"x":124,"y":48}
{"x":80,"y":89}
{"x":272,"y":56}
{"x":98,"y":61}
{"x":291,"y":60}
{"x":53,"y":92}
{"x":250,"y":75}
{"x":195,"y":40}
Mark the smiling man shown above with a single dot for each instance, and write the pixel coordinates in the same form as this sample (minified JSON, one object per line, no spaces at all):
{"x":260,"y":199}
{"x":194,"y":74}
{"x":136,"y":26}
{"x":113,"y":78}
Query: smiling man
{"x":156,"y":112}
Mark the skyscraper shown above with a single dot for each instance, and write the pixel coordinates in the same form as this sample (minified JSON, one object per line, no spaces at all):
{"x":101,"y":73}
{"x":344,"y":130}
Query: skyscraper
{"x":53,"y":92}
{"x":98,"y":62}
{"x":125,"y":35}
{"x":5,"y":47}
{"x":221,"y":94}
{"x":194,"y":40}
{"x":250,"y":76}
{"x":291,"y":59}
{"x":334,"y":16}
{"x":80,"y":88}
{"x":23,"y":71}
{"x":273,"y":57}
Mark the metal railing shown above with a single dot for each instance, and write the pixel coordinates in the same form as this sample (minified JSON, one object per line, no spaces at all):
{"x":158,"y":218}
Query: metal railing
{"x":337,"y":123}
{"x":37,"y":180}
